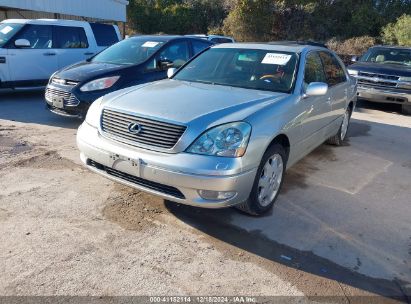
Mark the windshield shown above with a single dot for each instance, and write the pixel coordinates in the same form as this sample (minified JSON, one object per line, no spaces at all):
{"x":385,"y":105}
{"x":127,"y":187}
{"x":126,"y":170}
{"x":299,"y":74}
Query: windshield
{"x":7,"y":31}
{"x":129,"y":51}
{"x":388,"y":56}
{"x":245,"y":68}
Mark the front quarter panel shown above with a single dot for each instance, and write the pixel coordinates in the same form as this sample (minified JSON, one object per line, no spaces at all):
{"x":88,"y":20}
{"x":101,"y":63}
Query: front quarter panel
{"x":276,"y":119}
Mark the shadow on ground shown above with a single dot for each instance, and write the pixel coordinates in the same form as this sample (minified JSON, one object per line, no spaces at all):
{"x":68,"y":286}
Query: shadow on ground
{"x":29,"y":107}
{"x":326,"y":220}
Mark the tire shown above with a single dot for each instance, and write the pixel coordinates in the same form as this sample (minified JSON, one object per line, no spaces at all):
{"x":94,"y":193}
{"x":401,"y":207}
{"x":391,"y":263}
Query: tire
{"x":406,"y":109}
{"x":261,"y":201}
{"x":338,"y":139}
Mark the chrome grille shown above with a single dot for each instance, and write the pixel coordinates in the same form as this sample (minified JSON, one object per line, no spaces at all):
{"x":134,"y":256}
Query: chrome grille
{"x":153,"y":132}
{"x":373,"y":79}
{"x":65,"y":82}
{"x":69,"y":99}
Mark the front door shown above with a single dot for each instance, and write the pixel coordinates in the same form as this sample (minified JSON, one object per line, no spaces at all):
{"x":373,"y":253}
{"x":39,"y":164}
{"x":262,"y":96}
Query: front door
{"x":35,"y":64}
{"x":316,"y":109}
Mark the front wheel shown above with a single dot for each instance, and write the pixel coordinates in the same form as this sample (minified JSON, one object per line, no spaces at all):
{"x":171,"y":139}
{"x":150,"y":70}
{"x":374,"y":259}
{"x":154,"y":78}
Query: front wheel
{"x":338,"y":139}
{"x":267,"y":183}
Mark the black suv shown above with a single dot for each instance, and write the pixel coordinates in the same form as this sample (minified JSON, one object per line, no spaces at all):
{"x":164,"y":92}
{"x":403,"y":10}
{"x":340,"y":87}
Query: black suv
{"x":384,"y":75}
{"x":133,"y":61}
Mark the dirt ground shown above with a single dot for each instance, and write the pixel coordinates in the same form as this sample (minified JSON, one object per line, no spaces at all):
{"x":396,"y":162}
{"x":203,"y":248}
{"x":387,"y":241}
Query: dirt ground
{"x":67,"y":231}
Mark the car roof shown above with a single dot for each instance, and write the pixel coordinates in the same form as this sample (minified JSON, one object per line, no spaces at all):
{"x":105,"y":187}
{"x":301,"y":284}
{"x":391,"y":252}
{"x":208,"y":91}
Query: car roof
{"x":284,"y":47}
{"x":46,"y":21}
{"x":163,"y":38}
{"x":392,"y":47}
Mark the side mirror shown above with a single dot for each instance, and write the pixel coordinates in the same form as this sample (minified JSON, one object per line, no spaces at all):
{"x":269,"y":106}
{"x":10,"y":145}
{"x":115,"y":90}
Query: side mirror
{"x":171,"y":72}
{"x":354,"y":59}
{"x":165,"y":64}
{"x":316,"y":89}
{"x":22,"y":43}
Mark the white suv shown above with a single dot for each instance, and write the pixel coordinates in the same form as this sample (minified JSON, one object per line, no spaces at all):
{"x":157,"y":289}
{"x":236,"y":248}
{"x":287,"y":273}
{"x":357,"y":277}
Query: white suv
{"x":32,"y":50}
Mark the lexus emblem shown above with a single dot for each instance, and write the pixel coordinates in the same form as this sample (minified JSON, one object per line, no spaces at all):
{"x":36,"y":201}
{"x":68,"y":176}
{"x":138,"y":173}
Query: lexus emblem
{"x":134,"y":128}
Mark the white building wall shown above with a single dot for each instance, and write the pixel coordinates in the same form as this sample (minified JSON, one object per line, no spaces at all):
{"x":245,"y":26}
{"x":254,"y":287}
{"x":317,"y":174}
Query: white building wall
{"x":113,"y":10}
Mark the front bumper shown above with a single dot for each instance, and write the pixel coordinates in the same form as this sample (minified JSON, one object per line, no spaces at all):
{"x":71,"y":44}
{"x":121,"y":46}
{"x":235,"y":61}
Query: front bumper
{"x":386,"y":95}
{"x":175,"y":177}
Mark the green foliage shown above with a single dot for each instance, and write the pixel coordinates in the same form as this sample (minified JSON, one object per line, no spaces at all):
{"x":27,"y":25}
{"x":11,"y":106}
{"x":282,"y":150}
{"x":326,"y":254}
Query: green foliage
{"x":267,"y":20}
{"x":250,"y":20}
{"x":398,"y":32}
{"x":174,"y":16}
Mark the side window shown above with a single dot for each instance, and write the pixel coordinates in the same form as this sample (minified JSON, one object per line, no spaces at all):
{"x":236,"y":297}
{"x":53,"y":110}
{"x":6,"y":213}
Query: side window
{"x":199,"y":46}
{"x":70,"y":37}
{"x":314,"y":71}
{"x":333,"y":70}
{"x":105,"y":34}
{"x":177,"y":52}
{"x":40,"y":36}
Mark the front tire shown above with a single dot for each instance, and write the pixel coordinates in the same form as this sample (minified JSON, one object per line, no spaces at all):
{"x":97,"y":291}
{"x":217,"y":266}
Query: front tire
{"x":338,"y":139}
{"x":267,"y":183}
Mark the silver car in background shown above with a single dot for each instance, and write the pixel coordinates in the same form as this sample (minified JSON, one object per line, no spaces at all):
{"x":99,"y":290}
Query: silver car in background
{"x":223,"y":129}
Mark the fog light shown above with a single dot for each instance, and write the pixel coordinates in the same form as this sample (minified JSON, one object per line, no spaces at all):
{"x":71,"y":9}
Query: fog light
{"x":216,"y":195}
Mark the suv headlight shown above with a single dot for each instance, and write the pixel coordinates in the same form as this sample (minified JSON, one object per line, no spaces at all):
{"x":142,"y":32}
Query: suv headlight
{"x":228,"y":140}
{"x":352,"y":72}
{"x":99,"y":84}
{"x":405,"y":79}
{"x":93,"y":113}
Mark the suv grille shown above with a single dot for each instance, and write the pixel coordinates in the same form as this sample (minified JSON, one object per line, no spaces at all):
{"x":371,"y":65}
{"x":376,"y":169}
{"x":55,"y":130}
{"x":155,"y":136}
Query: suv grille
{"x":373,"y":79}
{"x":69,"y":99}
{"x":137,"y":180}
{"x":152,"y":132}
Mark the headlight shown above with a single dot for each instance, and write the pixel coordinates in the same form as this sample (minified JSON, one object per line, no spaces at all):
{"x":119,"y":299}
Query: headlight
{"x":99,"y":84}
{"x":229,"y":140}
{"x":93,"y":113}
{"x":352,"y":72}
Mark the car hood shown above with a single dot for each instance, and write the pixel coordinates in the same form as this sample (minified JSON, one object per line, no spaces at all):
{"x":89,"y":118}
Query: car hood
{"x":195,"y":104}
{"x":85,"y":70}
{"x":378,"y":68}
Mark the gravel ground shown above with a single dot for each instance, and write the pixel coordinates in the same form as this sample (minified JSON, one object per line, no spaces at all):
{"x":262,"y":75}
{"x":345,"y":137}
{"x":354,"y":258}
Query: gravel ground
{"x":67,"y":231}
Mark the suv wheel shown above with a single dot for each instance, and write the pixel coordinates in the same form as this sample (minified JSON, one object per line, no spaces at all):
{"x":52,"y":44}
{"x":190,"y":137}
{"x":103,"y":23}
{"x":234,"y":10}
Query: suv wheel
{"x":338,"y":139}
{"x":267,"y":183}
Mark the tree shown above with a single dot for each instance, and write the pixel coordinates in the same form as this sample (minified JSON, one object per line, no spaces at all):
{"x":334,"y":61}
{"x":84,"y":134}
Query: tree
{"x":399,"y":32}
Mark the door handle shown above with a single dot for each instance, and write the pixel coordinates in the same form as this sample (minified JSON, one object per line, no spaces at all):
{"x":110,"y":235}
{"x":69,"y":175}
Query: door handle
{"x":88,"y":54}
{"x":49,"y":54}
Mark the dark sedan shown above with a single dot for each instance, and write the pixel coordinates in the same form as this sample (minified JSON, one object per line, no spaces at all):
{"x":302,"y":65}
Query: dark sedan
{"x":130,"y":62}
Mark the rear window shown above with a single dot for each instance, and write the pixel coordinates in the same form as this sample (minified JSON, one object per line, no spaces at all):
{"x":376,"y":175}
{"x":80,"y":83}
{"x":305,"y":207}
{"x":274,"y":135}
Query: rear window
{"x":105,"y":34}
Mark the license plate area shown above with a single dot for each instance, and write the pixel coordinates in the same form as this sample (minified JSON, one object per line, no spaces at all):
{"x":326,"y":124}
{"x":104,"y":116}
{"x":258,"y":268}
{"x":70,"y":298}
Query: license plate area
{"x":58,"y":102}
{"x":125,"y":164}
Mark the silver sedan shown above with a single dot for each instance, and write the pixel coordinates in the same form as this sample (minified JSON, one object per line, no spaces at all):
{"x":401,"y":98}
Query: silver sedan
{"x":224,"y":128}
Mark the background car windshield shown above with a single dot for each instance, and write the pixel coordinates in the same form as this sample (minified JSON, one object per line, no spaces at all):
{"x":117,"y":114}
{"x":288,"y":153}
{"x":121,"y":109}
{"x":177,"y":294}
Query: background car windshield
{"x":129,"y":51}
{"x":246,"y":68}
{"x":7,"y":30}
{"x":388,"y":56}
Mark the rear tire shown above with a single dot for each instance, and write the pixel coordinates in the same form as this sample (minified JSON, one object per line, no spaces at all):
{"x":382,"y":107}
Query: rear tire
{"x":338,"y":139}
{"x":267,"y":183}
{"x":406,"y":109}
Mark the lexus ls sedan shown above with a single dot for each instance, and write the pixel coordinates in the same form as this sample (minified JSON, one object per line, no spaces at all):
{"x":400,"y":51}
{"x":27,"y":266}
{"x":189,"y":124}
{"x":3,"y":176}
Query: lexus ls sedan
{"x":222,"y":130}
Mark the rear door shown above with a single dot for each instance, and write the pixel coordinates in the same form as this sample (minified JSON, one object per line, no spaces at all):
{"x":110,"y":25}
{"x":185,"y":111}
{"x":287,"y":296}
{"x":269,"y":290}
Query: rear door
{"x":35,"y":64}
{"x":72,"y":45}
{"x":338,"y":85}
